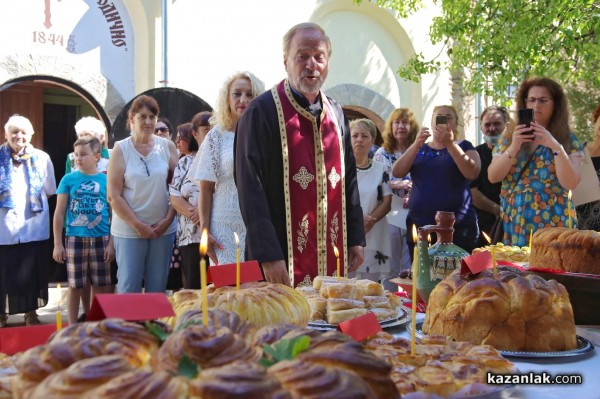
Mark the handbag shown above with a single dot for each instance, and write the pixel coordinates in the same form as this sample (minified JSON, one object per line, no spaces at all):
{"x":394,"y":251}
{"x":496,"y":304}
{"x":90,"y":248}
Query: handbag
{"x":497,"y":231}
{"x":588,"y":189}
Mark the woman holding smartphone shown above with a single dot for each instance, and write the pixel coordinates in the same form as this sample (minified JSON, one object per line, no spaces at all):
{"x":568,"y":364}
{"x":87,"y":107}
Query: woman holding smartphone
{"x":537,"y":164}
{"x":441,"y":172}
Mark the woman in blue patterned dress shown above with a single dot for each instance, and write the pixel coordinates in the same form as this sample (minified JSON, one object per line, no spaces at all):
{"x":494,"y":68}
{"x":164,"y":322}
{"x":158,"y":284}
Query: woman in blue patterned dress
{"x":540,"y":197}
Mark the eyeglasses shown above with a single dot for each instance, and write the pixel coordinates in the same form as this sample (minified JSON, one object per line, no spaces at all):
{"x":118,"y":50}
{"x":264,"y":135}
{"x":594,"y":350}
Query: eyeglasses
{"x":541,"y":100}
{"x":161,"y":129}
{"x":145,"y":165}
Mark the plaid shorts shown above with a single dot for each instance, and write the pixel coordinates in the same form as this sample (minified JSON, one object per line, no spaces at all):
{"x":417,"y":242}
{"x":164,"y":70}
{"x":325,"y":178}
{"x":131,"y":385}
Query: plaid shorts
{"x":85,"y":257}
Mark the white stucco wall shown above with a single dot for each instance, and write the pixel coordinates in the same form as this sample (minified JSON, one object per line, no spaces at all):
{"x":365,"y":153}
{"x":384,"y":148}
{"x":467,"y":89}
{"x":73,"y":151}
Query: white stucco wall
{"x":209,"y":40}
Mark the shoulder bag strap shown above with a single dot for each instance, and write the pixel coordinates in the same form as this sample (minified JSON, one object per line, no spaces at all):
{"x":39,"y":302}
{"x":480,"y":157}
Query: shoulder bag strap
{"x":521,"y":173}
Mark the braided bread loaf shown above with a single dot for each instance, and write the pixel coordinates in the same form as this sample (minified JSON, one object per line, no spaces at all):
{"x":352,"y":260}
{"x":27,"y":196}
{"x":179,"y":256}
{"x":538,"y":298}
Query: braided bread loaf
{"x":205,"y":346}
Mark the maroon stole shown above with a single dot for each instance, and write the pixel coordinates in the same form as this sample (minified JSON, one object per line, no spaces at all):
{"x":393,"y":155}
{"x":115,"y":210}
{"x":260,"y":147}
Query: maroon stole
{"x":314,"y":187}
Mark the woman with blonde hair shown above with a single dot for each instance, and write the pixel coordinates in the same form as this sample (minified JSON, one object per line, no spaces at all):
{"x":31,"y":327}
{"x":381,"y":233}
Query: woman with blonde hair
{"x":441,"y":172}
{"x":218,"y":205}
{"x":399,"y":133}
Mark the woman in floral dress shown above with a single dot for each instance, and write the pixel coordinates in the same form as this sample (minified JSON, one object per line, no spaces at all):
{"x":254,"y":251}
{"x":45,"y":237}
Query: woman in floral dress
{"x":551,"y":156}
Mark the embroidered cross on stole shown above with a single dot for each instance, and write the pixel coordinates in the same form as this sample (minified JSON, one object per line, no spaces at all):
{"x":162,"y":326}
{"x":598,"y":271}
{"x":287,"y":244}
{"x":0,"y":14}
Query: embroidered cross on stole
{"x":314,"y":187}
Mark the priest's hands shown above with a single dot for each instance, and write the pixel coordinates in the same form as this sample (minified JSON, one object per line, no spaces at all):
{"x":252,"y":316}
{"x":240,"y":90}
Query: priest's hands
{"x":356,"y":257}
{"x":276,"y":272}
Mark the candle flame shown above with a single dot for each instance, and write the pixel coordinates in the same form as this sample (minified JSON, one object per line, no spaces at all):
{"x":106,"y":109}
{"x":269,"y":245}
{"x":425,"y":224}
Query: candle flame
{"x":487,"y":238}
{"x":570,"y":195}
{"x":237,"y":239}
{"x":204,"y":242}
{"x":336,"y":252}
{"x":414,"y":233}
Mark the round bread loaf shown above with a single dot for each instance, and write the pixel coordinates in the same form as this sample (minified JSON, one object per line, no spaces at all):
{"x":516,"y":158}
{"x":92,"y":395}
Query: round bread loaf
{"x":571,"y":250}
{"x":263,"y":303}
{"x":508,"y":310}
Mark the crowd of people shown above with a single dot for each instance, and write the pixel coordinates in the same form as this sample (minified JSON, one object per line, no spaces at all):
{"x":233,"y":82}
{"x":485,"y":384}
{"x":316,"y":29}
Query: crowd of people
{"x":282,"y":175}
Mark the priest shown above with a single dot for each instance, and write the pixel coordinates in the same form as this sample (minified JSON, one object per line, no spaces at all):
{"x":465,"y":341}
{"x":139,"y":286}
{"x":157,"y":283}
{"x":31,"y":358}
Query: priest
{"x":295,"y":171}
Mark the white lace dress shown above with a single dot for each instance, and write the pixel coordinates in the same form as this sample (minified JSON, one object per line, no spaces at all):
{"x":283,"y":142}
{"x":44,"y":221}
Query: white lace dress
{"x":216,"y":165}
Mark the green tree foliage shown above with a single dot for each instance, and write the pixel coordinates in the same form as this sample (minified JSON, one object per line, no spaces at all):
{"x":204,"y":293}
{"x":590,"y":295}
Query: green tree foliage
{"x":498,"y":43}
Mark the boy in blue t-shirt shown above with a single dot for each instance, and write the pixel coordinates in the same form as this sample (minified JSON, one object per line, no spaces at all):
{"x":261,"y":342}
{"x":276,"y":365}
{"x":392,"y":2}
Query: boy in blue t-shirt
{"x":81,"y":196}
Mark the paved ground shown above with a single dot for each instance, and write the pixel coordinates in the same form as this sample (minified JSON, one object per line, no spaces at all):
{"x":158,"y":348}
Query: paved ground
{"x":47,"y":314}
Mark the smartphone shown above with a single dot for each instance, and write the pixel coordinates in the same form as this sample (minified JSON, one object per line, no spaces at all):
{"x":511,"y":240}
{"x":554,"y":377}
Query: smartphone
{"x":525,"y":118}
{"x":441,"y":120}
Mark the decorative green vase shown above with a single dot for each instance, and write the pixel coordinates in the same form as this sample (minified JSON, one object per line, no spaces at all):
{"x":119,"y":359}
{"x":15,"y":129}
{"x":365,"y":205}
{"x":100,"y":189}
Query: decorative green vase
{"x":439,"y":260}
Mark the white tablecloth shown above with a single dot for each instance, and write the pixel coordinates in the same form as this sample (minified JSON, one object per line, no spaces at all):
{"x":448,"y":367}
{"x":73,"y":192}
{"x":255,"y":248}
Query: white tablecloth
{"x":588,"y":366}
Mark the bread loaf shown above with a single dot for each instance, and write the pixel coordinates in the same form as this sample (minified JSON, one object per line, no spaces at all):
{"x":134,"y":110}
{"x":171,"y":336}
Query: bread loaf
{"x":81,"y":377}
{"x":205,"y":346}
{"x":264,"y":303}
{"x":508,"y":310}
{"x":374,"y":371}
{"x":237,"y":380}
{"x":306,"y":380}
{"x":571,"y":250}
{"x":141,"y":384}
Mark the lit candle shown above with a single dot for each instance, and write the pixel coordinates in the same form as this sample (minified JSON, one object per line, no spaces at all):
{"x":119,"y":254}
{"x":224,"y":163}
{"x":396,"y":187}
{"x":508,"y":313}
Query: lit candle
{"x":530,"y":239}
{"x":337,"y":256}
{"x":237,"y":261}
{"x":58,"y":314}
{"x":203,"y":248}
{"x":569,"y":210}
{"x":414,"y":292}
{"x":492,"y":250}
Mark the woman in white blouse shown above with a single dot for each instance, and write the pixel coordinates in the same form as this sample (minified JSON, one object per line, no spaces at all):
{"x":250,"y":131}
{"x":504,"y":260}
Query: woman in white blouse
{"x":26,"y":182}
{"x":218,"y":206}
{"x":375,"y":200}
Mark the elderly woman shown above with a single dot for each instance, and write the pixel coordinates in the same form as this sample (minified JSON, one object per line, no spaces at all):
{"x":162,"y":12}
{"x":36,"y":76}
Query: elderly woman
{"x":88,"y":126}
{"x":375,"y":200}
{"x":441,"y":172}
{"x":143,"y":220}
{"x":537,"y":165}
{"x":26,"y":182}
{"x":219,"y":208}
{"x":400,"y":131}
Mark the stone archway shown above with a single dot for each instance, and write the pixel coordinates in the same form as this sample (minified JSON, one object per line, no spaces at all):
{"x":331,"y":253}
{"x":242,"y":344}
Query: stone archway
{"x":364,"y":100}
{"x":14,"y":67}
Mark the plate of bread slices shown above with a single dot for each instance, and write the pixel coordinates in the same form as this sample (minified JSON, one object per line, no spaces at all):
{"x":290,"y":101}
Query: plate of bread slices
{"x":334,"y":300}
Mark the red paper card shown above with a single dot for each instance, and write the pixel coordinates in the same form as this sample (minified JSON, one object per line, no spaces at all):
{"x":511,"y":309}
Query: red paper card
{"x":476,"y":263}
{"x":361,"y":327}
{"x":19,"y":339}
{"x":131,"y":307}
{"x":222,"y":275}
